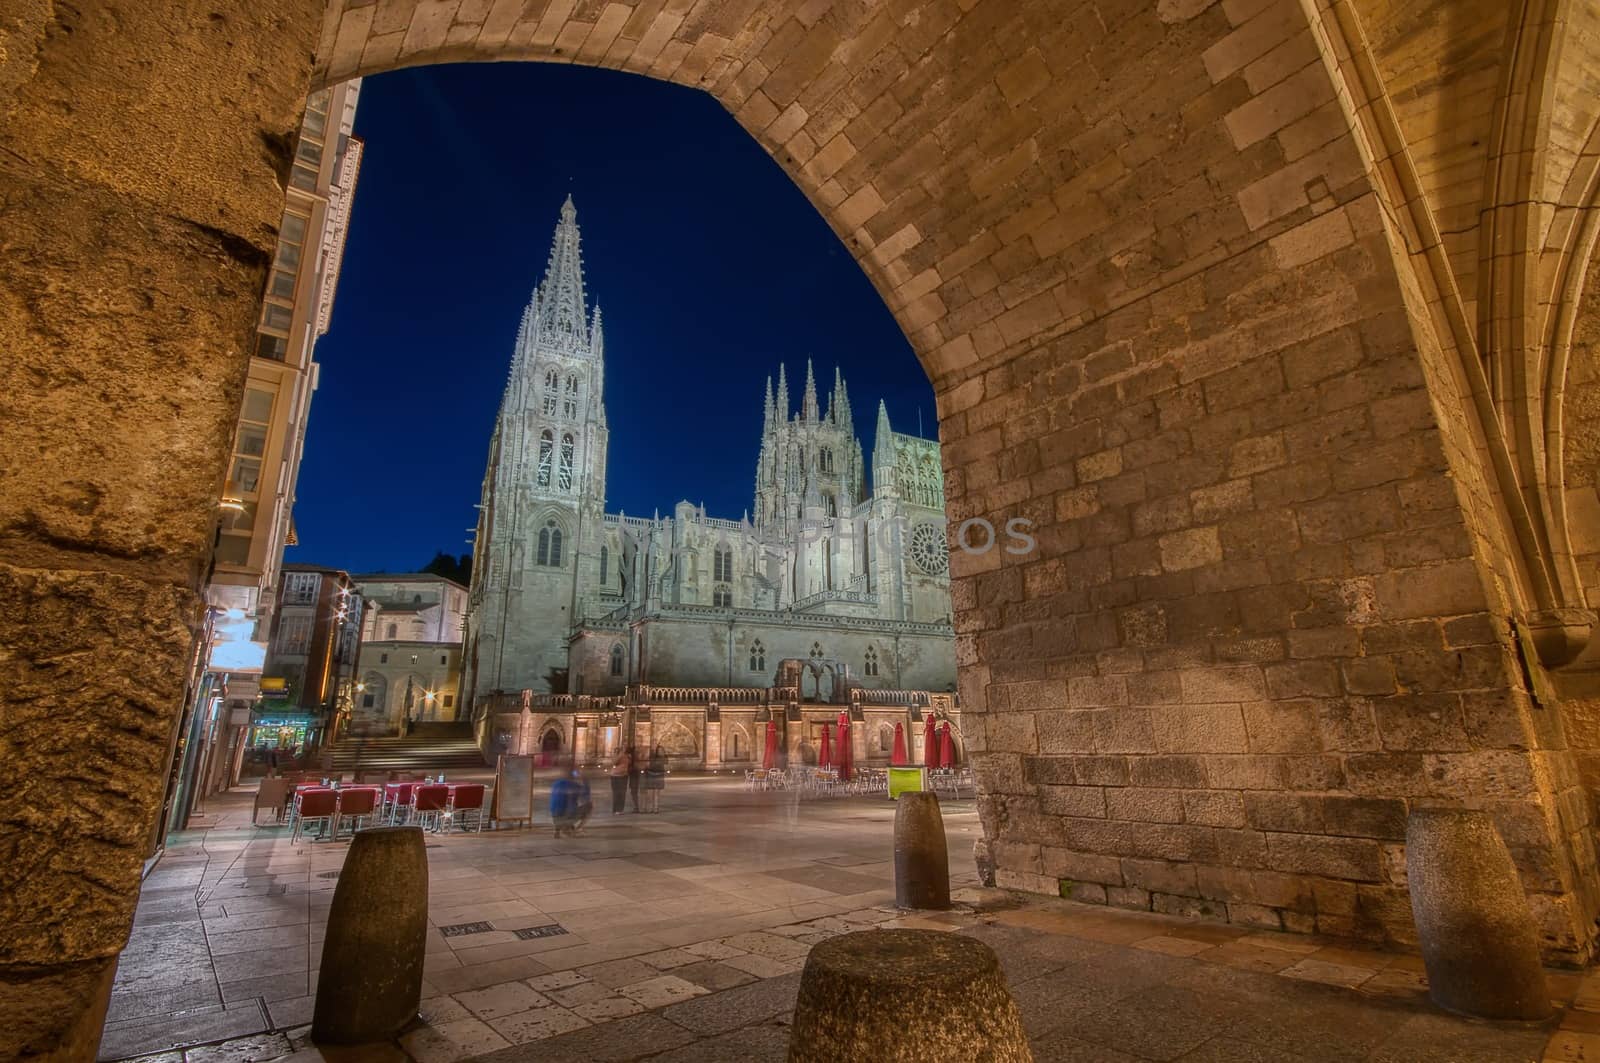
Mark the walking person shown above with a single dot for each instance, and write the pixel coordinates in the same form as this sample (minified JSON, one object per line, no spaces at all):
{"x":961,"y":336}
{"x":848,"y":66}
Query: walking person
{"x":655,"y":780}
{"x":635,"y":773}
{"x":619,"y":781}
{"x":563,"y":805}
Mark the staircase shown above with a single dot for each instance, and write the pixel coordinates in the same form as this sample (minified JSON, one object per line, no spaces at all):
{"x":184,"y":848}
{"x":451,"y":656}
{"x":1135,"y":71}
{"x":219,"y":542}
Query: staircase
{"x":431,"y":747}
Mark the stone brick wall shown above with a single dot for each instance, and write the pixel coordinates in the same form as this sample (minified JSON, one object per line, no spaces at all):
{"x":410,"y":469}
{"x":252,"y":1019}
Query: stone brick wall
{"x":142,"y":154}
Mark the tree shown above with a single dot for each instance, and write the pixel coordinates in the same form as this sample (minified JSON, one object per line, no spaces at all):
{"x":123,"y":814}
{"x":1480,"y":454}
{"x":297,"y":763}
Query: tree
{"x":458,"y":569}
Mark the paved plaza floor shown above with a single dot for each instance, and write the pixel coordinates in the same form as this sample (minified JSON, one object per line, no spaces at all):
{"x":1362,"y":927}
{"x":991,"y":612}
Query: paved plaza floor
{"x":680,"y":937}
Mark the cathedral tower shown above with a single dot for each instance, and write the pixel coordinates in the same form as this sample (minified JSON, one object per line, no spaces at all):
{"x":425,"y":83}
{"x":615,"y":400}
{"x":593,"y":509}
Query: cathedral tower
{"x":543,"y":499}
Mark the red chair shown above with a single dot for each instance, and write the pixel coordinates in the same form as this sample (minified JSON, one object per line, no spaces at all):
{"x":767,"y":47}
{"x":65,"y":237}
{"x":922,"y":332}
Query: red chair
{"x":428,"y":804}
{"x":315,"y":804}
{"x":397,"y":798}
{"x":356,"y":804}
{"x":467,"y":798}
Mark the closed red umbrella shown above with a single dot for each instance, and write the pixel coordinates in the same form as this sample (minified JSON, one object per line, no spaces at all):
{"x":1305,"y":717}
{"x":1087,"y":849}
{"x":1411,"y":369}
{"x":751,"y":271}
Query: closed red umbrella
{"x":930,"y":743}
{"x":825,"y":756}
{"x":947,"y":748}
{"x":899,"y":756}
{"x":770,"y":759}
{"x":844,"y":746}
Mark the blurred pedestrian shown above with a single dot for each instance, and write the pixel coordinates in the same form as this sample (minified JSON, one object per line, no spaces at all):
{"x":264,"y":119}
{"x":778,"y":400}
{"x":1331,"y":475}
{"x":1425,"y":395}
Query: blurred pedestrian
{"x":619,"y":781}
{"x":564,"y":805}
{"x":655,"y":780}
{"x":635,"y":773}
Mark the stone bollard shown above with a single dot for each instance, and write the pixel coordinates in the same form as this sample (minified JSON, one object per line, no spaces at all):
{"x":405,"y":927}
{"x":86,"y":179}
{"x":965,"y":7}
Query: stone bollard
{"x":921,"y":862}
{"x":371,"y":977}
{"x":905,"y":996}
{"x":1478,"y":939}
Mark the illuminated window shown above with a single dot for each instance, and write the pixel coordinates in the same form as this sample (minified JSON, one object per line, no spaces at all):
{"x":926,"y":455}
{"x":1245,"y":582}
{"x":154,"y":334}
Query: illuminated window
{"x":564,"y":480}
{"x":547,"y":444}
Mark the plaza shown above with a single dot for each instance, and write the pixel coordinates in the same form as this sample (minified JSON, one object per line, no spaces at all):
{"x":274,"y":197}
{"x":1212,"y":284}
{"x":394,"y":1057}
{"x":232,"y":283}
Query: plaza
{"x":681,"y":937}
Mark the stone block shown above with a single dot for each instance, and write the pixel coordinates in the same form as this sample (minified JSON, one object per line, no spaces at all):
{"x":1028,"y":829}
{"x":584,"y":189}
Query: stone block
{"x":1294,"y":813}
{"x":1478,"y":938}
{"x":371,"y":971}
{"x":1282,"y":726}
{"x":1144,"y":804}
{"x":1191,"y":548}
{"x":1347,"y":858}
{"x":1214,"y":808}
{"x":921,"y":862}
{"x":1195,"y":728}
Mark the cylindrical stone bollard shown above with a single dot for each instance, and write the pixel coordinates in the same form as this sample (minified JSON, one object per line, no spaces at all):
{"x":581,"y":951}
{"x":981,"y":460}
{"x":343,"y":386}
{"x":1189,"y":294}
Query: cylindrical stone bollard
{"x":370,"y":982}
{"x":921,"y":861}
{"x":905,"y":996}
{"x":1478,"y":939}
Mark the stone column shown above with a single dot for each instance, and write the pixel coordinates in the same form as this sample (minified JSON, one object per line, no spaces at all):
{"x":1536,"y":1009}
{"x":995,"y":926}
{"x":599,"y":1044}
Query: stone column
{"x":141,"y":157}
{"x":713,"y":744}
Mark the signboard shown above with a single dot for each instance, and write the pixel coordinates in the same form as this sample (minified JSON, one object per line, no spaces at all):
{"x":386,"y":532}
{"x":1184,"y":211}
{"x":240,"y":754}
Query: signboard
{"x":513,"y":790}
{"x":907,"y":780}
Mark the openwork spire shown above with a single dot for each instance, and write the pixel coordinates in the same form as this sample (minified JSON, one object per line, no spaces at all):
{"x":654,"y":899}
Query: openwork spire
{"x":808,"y":404}
{"x":562,"y":310}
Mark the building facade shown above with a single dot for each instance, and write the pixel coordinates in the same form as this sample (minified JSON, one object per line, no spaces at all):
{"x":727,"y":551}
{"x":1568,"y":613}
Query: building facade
{"x":309,"y":678}
{"x":410,"y":663}
{"x":827,"y":568}
{"x":256,"y":521}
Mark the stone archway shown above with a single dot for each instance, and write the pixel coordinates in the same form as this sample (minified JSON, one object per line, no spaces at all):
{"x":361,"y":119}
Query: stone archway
{"x":1195,"y":297}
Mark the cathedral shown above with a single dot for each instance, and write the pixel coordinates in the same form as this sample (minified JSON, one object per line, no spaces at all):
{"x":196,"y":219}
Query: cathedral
{"x":838,"y":574}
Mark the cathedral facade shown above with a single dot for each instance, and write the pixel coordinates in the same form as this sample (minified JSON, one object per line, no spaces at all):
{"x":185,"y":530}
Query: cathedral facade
{"x":839,"y":566}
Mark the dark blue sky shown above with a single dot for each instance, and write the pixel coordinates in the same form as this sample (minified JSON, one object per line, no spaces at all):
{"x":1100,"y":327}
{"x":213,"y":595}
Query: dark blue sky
{"x":709,"y":264}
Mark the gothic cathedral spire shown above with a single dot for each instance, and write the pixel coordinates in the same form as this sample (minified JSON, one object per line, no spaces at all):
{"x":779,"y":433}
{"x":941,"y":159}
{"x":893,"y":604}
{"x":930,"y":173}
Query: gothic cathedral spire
{"x":808,"y":404}
{"x":562,"y":310}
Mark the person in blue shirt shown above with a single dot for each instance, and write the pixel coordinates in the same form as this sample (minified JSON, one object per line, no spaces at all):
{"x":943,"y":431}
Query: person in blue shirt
{"x":570,"y":802}
{"x":564,"y":804}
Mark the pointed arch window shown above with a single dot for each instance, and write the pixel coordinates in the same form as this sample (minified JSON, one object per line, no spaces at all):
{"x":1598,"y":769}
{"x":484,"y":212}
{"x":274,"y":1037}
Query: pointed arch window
{"x":616,"y":659}
{"x":605,"y":564}
{"x":547,"y":446}
{"x":758,"y":656}
{"x":564,"y":479}
{"x":552,"y":383}
{"x":722,"y":565}
{"x":722,"y":598}
{"x":831,"y":504}
{"x":549,"y":545}
{"x":871,"y":667}
{"x":569,"y":405}
{"x":825,"y":460}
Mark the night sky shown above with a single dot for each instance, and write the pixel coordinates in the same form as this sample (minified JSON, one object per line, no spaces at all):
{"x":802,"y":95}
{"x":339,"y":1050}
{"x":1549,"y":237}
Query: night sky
{"x":710,"y":267}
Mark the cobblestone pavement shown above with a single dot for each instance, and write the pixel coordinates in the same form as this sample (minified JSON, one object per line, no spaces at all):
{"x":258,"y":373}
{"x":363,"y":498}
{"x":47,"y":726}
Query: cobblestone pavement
{"x":680,"y":937}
